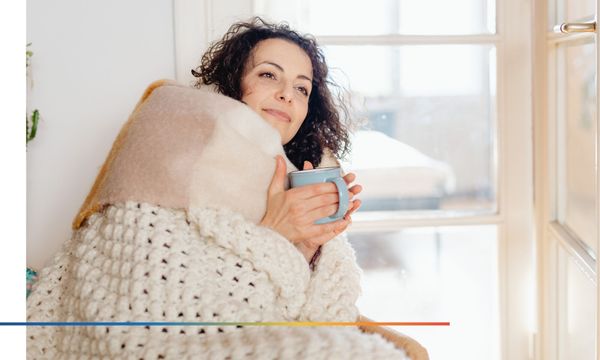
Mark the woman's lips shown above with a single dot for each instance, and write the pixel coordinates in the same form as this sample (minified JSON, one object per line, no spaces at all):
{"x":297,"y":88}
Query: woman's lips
{"x":279,"y":114}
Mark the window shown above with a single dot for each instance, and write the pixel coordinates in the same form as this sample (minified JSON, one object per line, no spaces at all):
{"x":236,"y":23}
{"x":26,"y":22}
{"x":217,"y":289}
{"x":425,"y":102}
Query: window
{"x":427,"y":84}
{"x":430,"y":274}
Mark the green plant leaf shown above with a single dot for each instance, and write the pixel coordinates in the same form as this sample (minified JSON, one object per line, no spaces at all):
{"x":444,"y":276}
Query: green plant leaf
{"x":31,"y":131}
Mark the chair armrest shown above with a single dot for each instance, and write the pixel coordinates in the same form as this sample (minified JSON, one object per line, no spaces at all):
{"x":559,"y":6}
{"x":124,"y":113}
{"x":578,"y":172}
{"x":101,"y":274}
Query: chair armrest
{"x":412,"y":347}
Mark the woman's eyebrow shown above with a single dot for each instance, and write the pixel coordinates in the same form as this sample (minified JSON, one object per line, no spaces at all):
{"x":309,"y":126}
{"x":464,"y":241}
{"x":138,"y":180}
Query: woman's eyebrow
{"x":281,"y":69}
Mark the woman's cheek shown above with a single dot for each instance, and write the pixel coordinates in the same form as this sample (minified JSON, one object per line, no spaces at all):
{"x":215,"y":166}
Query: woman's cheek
{"x":294,"y":130}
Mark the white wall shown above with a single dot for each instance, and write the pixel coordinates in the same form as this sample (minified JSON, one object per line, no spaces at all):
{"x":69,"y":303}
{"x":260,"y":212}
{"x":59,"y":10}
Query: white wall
{"x":200,"y":22}
{"x":92,"y":61}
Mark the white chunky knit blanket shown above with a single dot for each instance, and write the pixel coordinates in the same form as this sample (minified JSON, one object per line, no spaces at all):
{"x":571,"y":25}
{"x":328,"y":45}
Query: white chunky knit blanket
{"x":138,"y":262}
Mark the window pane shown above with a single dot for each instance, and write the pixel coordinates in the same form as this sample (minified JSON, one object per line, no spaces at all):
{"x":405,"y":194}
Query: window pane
{"x":560,"y":11}
{"x":443,"y":17}
{"x":419,"y":108}
{"x":381,"y":17}
{"x":435,"y":274}
{"x":577,"y":146}
{"x":577,"y":301}
{"x":580,"y":9}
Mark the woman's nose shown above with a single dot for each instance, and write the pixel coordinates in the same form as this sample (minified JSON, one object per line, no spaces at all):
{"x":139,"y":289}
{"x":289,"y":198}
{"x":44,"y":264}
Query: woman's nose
{"x":285,"y":93}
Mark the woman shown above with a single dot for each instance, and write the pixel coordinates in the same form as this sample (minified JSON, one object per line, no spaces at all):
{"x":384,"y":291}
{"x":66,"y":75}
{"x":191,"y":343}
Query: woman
{"x":282,"y":75}
{"x":186,"y":231}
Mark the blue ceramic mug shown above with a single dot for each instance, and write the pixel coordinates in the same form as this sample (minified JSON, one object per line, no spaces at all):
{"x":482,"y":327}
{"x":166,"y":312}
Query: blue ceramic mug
{"x":321,"y":175}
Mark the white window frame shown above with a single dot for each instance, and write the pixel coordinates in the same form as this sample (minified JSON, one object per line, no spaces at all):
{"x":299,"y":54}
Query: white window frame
{"x":197,"y":22}
{"x":551,"y":235}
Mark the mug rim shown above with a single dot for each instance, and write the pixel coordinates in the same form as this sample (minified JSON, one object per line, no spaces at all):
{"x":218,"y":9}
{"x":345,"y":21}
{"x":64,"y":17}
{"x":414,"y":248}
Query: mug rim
{"x":315,"y":170}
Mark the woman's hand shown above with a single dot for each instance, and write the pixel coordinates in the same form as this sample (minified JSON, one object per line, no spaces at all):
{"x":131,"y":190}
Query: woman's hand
{"x":293,"y":212}
{"x":354,"y":190}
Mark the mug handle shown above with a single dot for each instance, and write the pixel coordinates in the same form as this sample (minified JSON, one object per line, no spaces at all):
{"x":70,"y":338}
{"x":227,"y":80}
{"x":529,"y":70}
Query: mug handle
{"x":342,"y":189}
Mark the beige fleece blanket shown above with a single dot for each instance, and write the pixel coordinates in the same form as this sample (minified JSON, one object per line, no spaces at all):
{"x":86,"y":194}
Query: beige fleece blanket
{"x":184,"y":147}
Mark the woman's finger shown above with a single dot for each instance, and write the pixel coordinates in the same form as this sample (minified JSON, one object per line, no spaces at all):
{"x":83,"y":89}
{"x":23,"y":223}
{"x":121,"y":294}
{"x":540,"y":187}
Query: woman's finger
{"x":316,"y":202}
{"x":325,"y":232}
{"x":278,"y":180}
{"x":350,"y":210}
{"x":319,"y":213}
{"x":326,"y":211}
{"x":349,"y":178}
{"x":350,"y":207}
{"x":356,"y":189}
{"x":355,"y":206}
{"x":316,"y":230}
{"x":308,"y":191}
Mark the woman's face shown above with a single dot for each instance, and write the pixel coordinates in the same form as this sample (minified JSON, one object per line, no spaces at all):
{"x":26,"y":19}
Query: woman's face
{"x":277,"y":82}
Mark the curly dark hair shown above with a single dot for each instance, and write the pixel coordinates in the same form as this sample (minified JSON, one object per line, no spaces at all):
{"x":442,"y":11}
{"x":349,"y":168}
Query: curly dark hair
{"x":223,"y":65}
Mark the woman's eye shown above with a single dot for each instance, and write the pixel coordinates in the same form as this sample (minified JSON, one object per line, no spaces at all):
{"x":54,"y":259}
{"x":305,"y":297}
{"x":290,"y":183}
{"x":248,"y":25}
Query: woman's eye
{"x":303,"y":90}
{"x":267,"y":75}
